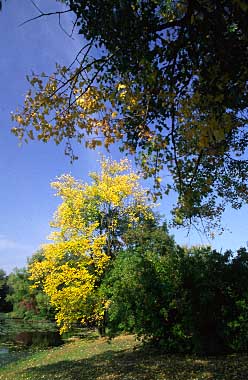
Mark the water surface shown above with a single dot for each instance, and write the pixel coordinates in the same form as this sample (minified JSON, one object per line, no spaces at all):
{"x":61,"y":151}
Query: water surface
{"x":19,"y":337}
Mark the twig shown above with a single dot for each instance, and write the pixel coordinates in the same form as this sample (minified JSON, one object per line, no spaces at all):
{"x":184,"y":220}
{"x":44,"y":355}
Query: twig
{"x":63,"y":29}
{"x":88,"y":46}
{"x":45,"y":14}
{"x":75,"y":75}
{"x":36,"y":6}
{"x":88,"y":86}
{"x":196,"y":167}
{"x":73,"y":28}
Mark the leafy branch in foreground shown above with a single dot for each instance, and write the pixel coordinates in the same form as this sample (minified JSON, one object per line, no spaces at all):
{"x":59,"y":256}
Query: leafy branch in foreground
{"x":173,"y":92}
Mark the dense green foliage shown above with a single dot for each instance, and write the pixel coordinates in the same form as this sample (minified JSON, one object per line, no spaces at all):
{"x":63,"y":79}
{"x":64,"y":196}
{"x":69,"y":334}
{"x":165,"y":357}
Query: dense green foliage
{"x":142,"y":285}
{"x":27,"y":302}
{"x":191,"y":300}
{"x":181,"y":299}
{"x":214,"y":285}
{"x":186,"y":300}
{"x":5,"y":306}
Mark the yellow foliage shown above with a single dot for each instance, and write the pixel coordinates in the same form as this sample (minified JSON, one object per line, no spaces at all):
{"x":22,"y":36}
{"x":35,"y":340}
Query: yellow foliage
{"x":86,"y":224}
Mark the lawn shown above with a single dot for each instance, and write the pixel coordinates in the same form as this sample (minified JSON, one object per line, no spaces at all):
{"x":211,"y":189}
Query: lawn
{"x":95,"y":358}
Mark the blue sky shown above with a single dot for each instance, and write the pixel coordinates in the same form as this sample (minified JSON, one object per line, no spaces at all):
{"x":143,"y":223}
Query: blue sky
{"x":26,"y":200}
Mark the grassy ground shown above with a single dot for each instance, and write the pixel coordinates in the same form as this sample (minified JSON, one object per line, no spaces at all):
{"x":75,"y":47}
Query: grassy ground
{"x":123,"y":359}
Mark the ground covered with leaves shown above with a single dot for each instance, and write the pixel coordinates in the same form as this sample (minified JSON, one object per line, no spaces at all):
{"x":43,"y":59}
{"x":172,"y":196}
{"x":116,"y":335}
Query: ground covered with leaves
{"x":123,"y":358}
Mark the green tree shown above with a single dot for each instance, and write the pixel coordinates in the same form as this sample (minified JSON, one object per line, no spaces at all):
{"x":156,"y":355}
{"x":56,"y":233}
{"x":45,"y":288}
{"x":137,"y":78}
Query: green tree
{"x":215,"y":299}
{"x":27,"y":302}
{"x":4,"y":289}
{"x":143,"y":288}
{"x":173,"y":92}
{"x":237,"y":326}
{"x":187,"y":300}
{"x":207,"y":303}
{"x":20,"y":297}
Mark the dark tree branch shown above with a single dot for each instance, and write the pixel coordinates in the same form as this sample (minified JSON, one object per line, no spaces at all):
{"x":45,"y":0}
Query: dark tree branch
{"x":88,"y":46}
{"x":173,"y":139}
{"x":46,"y":14}
{"x":196,"y":167}
{"x":73,"y":27}
{"x":77,"y":73}
{"x":59,"y":15}
{"x":170,"y":24}
{"x":36,"y":6}
{"x":105,"y":60}
{"x":63,"y":29}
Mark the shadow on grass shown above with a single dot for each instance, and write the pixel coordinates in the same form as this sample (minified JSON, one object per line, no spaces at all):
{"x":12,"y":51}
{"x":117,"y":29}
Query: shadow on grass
{"x":140,"y":365}
{"x":10,"y":355}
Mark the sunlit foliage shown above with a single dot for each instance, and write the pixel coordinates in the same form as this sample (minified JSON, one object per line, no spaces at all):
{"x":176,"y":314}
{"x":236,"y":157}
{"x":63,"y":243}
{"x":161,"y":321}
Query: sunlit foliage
{"x":89,"y":224}
{"x":169,"y":83}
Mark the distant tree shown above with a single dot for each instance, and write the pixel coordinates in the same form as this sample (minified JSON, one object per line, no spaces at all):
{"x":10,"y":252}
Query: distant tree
{"x":20,"y":295}
{"x":169,"y":82}
{"x":27,"y":302}
{"x":5,"y":306}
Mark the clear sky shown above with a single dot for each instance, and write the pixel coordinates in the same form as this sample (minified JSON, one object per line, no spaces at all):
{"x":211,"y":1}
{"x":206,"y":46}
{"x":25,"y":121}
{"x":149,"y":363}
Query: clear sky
{"x":26,"y":200}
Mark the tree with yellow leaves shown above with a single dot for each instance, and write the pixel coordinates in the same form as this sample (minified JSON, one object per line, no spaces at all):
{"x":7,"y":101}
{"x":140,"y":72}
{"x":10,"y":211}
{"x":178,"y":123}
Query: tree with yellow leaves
{"x":89,"y":224}
{"x":173,"y":93}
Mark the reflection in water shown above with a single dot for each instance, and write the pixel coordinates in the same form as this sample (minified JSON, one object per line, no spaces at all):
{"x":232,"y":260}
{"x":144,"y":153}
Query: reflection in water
{"x":4,"y":351}
{"x":26,"y":333}
{"x":18,"y":338}
{"x":38,"y":338}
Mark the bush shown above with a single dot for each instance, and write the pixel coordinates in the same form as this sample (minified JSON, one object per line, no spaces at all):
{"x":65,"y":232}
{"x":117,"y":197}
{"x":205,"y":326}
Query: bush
{"x":143,"y":290}
{"x":187,"y":300}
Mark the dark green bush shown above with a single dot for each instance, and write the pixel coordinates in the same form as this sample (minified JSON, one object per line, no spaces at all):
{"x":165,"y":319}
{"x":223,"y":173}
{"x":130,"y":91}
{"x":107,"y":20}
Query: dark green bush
{"x":187,"y":300}
{"x":143,"y":289}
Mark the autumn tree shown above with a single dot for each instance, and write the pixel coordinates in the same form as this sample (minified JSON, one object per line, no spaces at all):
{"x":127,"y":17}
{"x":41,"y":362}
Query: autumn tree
{"x":89,"y":224}
{"x":169,"y":82}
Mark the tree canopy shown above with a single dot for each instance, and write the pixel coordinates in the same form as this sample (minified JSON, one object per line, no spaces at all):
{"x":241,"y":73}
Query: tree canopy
{"x":168,"y":81}
{"x":187,"y":300}
{"x":89,"y":223}
{"x":27,"y":302}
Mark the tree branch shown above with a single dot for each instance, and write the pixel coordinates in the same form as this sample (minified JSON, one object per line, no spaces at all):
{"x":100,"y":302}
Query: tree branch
{"x":196,"y":167}
{"x":42,"y":14}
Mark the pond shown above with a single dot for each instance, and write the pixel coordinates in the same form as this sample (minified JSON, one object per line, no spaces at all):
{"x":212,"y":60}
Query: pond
{"x":18,"y":337}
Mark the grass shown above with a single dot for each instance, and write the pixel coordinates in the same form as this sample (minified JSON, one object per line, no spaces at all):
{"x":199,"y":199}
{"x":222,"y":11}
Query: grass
{"x":95,"y":358}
